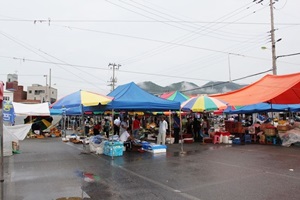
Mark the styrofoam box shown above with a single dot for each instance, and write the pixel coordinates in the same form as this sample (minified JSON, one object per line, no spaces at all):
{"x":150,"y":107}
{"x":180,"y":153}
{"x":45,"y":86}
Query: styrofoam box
{"x":157,"y":151}
{"x":153,"y":146}
{"x":170,"y":140}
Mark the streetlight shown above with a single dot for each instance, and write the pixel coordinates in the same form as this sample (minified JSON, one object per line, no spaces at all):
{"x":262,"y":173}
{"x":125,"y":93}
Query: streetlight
{"x":46,"y":91}
{"x":281,"y":56}
{"x":229,"y":67}
{"x":286,"y":55}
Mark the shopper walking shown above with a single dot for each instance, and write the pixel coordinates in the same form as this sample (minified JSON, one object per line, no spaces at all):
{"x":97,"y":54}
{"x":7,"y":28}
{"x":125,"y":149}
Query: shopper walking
{"x":162,"y":131}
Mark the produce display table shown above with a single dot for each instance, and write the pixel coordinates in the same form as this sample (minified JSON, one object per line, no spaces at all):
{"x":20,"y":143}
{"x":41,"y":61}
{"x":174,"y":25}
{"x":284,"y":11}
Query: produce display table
{"x":223,"y":133}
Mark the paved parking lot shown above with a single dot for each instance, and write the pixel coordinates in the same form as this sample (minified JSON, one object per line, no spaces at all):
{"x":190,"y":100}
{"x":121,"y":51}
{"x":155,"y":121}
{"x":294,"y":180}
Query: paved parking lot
{"x":51,"y":169}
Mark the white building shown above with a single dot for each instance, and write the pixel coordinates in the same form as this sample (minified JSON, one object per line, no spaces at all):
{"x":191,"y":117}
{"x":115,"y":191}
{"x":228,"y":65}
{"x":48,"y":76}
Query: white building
{"x":41,"y":93}
{"x":8,"y":95}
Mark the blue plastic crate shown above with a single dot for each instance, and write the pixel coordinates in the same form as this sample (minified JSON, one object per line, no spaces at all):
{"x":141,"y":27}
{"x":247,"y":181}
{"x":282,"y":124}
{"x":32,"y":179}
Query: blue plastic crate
{"x":113,"y":148}
{"x":236,"y":141}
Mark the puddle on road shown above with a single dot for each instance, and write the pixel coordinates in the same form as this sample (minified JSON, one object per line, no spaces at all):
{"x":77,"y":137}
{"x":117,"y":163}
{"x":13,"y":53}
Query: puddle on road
{"x":92,"y":187}
{"x":185,"y":153}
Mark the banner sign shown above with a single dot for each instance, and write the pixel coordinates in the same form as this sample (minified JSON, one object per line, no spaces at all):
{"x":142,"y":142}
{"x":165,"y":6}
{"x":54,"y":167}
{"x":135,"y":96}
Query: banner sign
{"x":8,"y":112}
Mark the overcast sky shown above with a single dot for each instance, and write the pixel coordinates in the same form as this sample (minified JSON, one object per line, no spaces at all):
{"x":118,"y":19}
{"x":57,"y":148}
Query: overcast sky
{"x":163,"y":41}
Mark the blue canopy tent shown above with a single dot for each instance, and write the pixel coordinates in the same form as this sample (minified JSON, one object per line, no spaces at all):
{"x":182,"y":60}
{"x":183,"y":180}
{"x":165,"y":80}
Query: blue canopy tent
{"x":264,"y":107}
{"x":67,"y":111}
{"x":131,"y":97}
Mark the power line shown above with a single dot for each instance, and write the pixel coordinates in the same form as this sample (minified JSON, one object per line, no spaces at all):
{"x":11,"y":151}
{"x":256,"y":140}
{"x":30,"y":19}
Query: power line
{"x":146,"y":39}
{"x":124,"y":71}
{"x":33,"y":50}
{"x":148,"y":21}
{"x":189,"y":35}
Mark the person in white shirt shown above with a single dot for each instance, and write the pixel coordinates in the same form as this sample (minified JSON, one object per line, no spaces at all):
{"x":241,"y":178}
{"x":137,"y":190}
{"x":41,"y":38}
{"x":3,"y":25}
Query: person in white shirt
{"x":124,"y":125}
{"x":162,"y":131}
{"x":117,"y":123}
{"x":126,"y":138}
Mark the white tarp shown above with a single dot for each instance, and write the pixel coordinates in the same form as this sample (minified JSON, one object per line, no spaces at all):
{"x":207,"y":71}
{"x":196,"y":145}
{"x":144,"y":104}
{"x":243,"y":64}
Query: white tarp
{"x":290,"y":137}
{"x":13,"y":133}
{"x":40,"y":109}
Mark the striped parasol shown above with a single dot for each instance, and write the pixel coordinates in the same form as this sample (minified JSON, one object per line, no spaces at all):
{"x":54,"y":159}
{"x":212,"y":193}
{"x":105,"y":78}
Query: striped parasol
{"x":202,"y":103}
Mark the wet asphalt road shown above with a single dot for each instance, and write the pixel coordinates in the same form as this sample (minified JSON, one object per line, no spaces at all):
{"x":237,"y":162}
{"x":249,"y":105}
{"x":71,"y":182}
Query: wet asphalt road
{"x":51,"y":169}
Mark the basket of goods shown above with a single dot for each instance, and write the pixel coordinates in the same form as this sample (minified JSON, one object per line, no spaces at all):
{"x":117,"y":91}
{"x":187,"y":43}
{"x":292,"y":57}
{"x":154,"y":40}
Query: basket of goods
{"x":40,"y":136}
{"x":282,"y":122}
{"x":270,"y":130}
{"x":282,"y":128}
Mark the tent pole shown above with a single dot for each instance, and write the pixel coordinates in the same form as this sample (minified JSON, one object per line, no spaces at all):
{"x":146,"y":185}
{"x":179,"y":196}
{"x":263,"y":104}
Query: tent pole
{"x":181,"y":144}
{"x":272,"y":113}
{"x":170,"y":126}
{"x":1,"y":144}
{"x":112,"y":138}
{"x":112,"y":122}
{"x":83,"y":130}
{"x":1,"y":140}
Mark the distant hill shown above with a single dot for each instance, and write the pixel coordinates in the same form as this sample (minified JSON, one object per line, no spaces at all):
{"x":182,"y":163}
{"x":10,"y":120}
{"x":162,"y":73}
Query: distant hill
{"x":189,"y":88}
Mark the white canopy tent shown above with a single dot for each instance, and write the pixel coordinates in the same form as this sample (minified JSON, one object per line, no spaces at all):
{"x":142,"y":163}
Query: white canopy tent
{"x":40,"y":109}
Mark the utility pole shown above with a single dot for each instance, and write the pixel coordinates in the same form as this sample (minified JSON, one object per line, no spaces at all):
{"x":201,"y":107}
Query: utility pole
{"x":274,"y":66}
{"x":229,"y":68}
{"x":273,"y":42}
{"x":113,"y":79}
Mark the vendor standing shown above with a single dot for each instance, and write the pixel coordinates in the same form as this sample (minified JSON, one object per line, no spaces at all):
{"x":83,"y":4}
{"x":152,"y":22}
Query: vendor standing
{"x":162,"y":131}
{"x":87,"y":126}
{"x":136,"y":126}
{"x":124,"y":125}
{"x":117,"y":123}
{"x":176,"y":126}
{"x":106,"y":127}
{"x":196,"y":129}
{"x":205,"y":125}
{"x":97,"y":128}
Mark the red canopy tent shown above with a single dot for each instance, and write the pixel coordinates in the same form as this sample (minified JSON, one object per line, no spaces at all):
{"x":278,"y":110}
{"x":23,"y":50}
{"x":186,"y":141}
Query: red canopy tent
{"x":275,"y":89}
